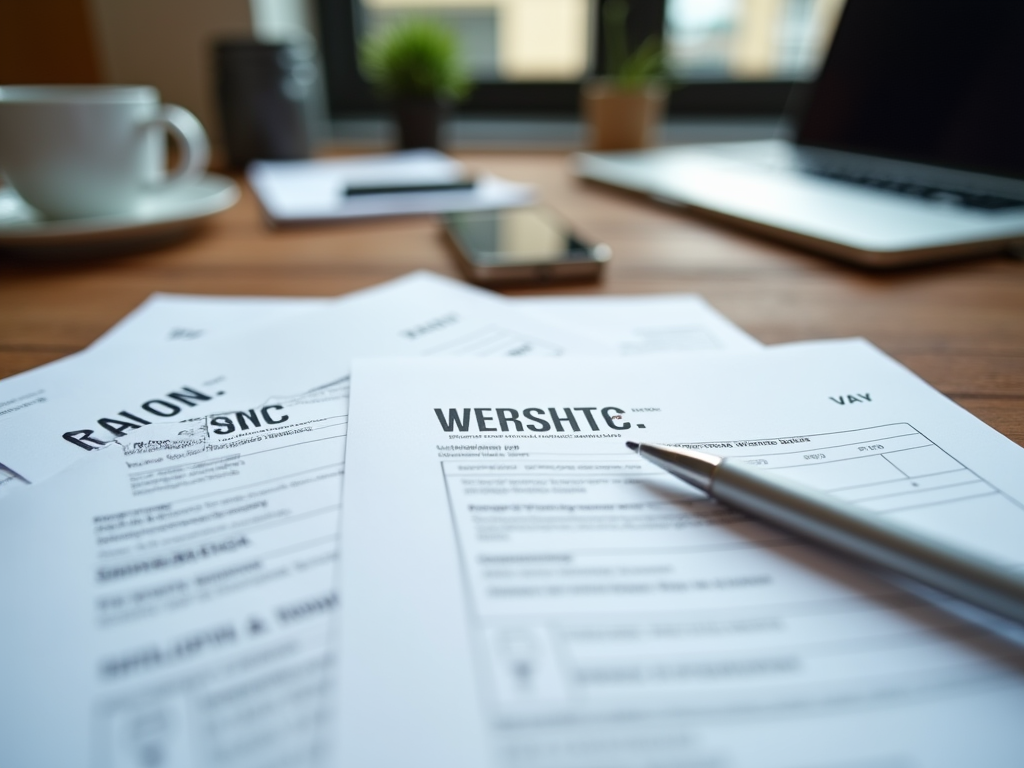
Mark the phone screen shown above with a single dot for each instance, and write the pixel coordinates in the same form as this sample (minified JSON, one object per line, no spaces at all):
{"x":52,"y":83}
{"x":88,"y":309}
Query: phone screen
{"x":515,"y":236}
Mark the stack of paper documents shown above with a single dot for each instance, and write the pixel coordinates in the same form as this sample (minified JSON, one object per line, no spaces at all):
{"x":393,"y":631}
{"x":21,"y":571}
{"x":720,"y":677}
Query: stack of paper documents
{"x":297,"y":191}
{"x":401,"y":527}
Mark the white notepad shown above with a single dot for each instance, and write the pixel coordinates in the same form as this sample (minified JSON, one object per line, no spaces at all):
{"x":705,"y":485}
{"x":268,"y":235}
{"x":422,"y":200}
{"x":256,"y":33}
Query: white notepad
{"x":295,"y":191}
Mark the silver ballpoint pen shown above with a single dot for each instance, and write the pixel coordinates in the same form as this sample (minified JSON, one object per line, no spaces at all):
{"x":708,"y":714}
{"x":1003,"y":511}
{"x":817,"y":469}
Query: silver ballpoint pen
{"x":846,"y":528}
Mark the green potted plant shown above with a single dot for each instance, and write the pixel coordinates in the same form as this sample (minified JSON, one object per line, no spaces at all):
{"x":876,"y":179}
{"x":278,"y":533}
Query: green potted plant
{"x":416,"y":64}
{"x":624,"y":109}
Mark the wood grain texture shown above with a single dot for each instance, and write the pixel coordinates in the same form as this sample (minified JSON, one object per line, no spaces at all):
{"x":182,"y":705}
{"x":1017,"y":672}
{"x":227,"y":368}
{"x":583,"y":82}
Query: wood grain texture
{"x":960,"y":326}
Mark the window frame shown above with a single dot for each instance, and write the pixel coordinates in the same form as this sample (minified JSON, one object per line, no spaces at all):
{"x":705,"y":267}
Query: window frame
{"x":350,"y":96}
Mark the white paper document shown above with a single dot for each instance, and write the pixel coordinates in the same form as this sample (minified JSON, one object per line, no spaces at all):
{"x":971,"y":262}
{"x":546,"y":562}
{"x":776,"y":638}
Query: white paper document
{"x":59,"y":411}
{"x":295,"y":191}
{"x":522,"y":590}
{"x":170,"y":602}
{"x":632,"y":325}
{"x":172,"y":318}
{"x":644,"y":325}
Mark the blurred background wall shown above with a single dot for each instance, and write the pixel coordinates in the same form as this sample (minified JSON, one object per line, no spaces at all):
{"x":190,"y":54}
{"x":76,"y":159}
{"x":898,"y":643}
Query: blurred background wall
{"x":47,"y":41}
{"x":166,"y":43}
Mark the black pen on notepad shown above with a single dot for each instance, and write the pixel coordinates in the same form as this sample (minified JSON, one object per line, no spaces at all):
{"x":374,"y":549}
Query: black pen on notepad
{"x":355,"y":190}
{"x":845,"y":527}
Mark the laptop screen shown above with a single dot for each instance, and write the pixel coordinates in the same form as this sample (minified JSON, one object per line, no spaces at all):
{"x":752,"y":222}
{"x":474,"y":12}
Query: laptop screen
{"x":933,"y":81}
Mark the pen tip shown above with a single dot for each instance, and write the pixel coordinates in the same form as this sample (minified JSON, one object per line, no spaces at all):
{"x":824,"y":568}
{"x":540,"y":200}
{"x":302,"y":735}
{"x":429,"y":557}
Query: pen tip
{"x":632,"y":446}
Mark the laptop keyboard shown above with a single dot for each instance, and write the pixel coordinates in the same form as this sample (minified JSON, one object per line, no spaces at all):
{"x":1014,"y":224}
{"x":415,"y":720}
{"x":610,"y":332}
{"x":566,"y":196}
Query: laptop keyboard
{"x":962,"y":197}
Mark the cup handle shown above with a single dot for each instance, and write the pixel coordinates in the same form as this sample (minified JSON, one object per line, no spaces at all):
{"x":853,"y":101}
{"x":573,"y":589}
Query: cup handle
{"x":193,"y":145}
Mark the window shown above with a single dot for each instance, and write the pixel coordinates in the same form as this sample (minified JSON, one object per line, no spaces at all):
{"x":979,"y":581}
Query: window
{"x":510,"y":41}
{"x":528,"y":57}
{"x":729,"y":40}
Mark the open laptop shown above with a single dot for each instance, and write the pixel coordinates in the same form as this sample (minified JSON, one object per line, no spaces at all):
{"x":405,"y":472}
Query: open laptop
{"x":910,"y":147}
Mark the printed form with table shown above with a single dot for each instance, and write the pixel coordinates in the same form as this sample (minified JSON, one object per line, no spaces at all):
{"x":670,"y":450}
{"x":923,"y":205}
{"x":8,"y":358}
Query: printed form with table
{"x":402,"y":527}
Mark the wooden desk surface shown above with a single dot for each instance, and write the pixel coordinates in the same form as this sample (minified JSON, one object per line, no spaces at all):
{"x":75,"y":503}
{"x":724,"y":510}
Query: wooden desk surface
{"x":959,"y":326}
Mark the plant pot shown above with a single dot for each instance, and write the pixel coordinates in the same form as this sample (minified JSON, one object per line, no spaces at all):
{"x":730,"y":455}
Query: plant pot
{"x":419,"y":122}
{"x":623,"y":119}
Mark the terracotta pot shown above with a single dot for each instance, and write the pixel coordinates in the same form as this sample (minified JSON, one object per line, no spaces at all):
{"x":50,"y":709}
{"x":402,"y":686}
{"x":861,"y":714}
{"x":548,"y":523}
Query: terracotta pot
{"x":419,"y":122}
{"x":620,"y":119}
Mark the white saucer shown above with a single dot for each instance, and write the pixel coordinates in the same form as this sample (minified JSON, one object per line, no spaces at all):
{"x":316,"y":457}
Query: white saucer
{"x":159,"y":218}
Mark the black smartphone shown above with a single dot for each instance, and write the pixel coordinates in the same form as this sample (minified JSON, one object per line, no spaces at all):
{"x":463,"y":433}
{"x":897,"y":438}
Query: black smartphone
{"x":521,"y":245}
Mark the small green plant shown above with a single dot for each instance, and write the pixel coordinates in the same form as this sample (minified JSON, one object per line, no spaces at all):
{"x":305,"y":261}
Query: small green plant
{"x":415,"y":58}
{"x":630,"y":71}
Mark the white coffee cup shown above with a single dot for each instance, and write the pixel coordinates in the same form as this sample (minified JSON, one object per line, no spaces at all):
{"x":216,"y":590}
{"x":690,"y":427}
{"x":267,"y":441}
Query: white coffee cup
{"x":76,"y":151}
